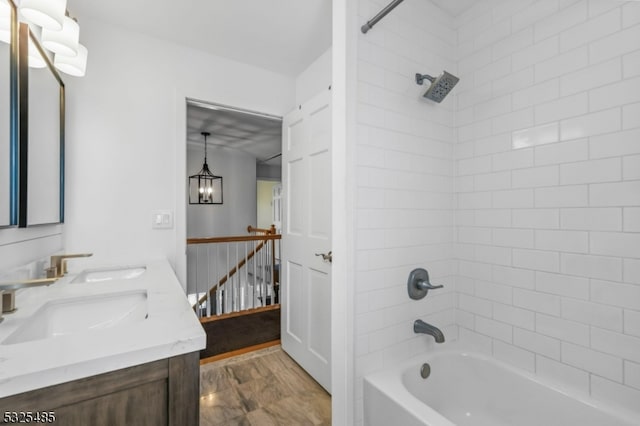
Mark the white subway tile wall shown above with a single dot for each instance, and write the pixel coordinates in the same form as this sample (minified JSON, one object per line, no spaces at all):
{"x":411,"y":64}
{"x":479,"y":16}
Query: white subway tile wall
{"x":520,"y":192}
{"x":565,"y":192}
{"x":405,"y":171}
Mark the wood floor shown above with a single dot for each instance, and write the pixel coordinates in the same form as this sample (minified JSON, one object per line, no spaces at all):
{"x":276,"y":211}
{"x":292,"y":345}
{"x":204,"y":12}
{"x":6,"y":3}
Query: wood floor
{"x":261,"y":388}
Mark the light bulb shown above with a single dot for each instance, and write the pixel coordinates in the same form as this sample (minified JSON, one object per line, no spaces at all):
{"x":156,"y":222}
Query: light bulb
{"x":201,"y":190}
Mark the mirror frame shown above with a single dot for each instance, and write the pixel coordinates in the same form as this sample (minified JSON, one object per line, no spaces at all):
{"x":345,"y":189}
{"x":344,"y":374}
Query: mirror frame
{"x":14,"y":115}
{"x":24,"y":34}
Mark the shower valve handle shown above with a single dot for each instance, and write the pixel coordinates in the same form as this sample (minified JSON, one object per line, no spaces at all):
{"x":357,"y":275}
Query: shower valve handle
{"x":419,"y":285}
{"x":426,"y":285}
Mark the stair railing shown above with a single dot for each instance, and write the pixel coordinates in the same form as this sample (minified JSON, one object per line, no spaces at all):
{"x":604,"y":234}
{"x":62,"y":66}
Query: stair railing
{"x":251,"y":282}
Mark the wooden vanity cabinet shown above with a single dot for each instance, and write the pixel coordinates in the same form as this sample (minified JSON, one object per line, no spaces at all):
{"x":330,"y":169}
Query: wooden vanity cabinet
{"x":164,"y":392}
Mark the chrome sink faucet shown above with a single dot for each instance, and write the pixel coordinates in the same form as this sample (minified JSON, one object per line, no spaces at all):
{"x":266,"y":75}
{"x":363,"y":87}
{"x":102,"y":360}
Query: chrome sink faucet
{"x":8,"y":292}
{"x":420,"y":326}
{"x":58,"y":266}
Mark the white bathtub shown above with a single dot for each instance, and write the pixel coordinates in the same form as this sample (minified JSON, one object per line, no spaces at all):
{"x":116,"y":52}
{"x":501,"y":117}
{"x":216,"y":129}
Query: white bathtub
{"x":473,"y":389}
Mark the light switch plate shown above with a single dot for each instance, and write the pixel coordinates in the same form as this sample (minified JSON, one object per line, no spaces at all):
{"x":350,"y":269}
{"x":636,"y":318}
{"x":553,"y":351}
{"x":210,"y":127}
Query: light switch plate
{"x":162,"y":219}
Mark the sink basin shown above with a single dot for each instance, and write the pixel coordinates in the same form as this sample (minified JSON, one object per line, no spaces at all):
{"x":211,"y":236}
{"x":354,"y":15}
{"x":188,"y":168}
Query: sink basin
{"x":83,"y":314}
{"x":108,"y":274}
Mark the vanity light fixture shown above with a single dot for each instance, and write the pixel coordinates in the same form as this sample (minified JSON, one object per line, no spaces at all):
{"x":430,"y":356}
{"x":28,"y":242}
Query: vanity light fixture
{"x":34,"y":57}
{"x":60,"y":35}
{"x":204,"y":186}
{"x":73,"y":65}
{"x":47,"y":14}
{"x":64,"y":41}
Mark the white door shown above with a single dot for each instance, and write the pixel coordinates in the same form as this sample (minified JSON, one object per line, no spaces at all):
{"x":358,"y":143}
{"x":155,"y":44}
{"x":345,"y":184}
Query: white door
{"x":306,"y":234}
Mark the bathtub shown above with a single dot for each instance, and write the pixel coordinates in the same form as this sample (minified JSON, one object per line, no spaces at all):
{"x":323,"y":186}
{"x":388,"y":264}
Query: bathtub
{"x":473,"y":389}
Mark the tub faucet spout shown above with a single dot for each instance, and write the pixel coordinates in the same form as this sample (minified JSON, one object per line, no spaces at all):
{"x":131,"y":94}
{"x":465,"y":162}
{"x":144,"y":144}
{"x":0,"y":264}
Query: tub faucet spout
{"x":420,"y":326}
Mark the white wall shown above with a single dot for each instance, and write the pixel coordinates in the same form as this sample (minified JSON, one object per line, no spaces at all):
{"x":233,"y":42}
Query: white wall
{"x":314,"y":79}
{"x":21,"y":247}
{"x":548,"y":190}
{"x":404,"y":201}
{"x":125,"y":137}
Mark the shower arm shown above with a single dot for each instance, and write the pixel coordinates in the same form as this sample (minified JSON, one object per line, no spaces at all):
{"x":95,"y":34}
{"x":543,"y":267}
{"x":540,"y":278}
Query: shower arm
{"x":420,"y":78}
{"x":366,"y":27}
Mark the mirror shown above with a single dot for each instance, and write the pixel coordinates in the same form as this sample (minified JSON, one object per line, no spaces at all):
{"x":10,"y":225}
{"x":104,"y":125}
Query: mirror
{"x":8,"y":114}
{"x":44,"y":136}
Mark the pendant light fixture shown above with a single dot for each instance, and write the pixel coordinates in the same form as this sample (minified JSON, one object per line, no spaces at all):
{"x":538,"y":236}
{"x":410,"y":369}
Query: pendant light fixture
{"x":204,"y":186}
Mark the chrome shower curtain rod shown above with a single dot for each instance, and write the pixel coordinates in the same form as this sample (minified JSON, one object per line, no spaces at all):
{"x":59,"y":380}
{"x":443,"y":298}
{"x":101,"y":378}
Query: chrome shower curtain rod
{"x":366,"y":27}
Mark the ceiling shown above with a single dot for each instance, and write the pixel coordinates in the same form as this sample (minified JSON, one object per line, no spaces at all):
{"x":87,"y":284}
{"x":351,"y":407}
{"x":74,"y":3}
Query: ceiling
{"x":284,"y":36}
{"x":257,"y":135}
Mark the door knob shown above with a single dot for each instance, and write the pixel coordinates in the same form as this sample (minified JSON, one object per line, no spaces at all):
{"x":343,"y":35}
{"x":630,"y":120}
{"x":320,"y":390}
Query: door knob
{"x":327,"y":257}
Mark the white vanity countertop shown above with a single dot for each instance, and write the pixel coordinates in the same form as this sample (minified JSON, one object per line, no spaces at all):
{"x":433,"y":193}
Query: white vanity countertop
{"x":171,"y":329}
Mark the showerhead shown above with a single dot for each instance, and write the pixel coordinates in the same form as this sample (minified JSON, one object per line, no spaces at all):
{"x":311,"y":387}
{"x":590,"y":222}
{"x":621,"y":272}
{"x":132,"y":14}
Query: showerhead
{"x":440,"y":86}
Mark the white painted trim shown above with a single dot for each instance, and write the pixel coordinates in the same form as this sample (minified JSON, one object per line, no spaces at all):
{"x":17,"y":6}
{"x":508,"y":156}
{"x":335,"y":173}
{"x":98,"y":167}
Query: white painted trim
{"x":221,"y":107}
{"x":180,"y":216}
{"x":342,"y":286}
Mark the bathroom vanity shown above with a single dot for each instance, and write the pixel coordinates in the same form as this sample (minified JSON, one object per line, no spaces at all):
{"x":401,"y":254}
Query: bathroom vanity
{"x":103,"y":347}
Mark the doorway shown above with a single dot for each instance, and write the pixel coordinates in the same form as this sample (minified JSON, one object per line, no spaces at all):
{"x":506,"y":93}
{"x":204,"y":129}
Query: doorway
{"x":220,"y":121}
{"x":269,"y":194}
{"x":232,"y":267}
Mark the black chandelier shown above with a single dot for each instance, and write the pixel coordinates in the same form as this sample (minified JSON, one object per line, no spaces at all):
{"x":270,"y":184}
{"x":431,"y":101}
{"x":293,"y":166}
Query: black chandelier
{"x":204,"y":186}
